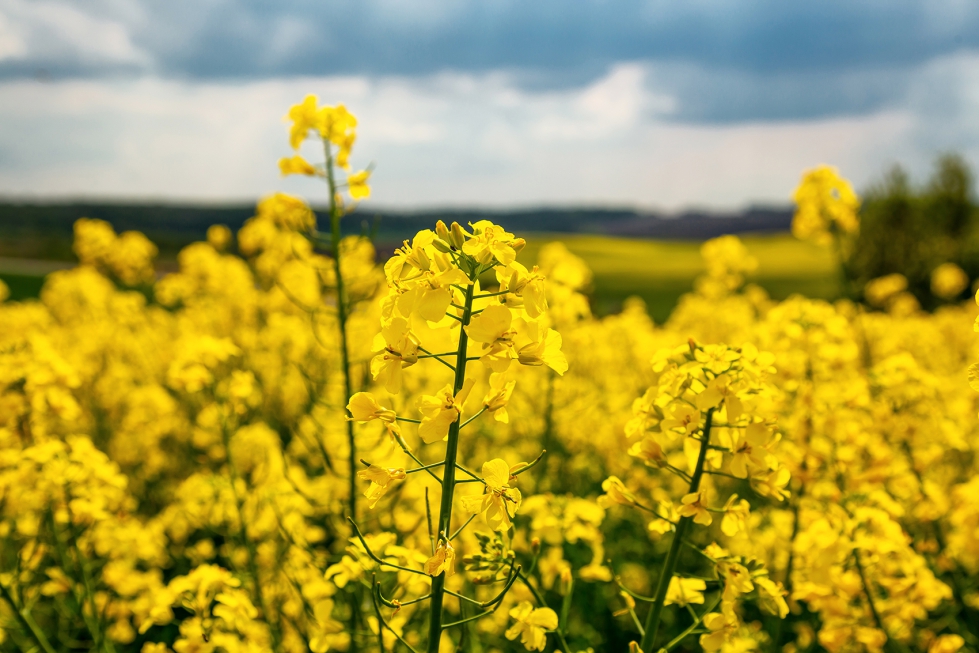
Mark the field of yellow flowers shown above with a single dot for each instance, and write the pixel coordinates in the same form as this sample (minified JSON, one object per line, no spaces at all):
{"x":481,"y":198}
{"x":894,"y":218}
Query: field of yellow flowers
{"x":289,"y":446}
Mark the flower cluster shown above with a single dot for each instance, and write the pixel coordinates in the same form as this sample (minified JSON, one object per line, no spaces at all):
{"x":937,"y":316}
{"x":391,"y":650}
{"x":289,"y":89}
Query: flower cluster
{"x":826,"y":206}
{"x":707,"y":417}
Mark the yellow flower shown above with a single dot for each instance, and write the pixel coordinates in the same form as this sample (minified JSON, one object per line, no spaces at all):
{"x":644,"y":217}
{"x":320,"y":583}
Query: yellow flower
{"x":946,"y":644}
{"x":737,"y":580}
{"x":528,"y":285}
{"x":498,"y":396}
{"x":432,"y":292}
{"x":722,"y":627}
{"x":948,"y":281}
{"x":154,"y":647}
{"x":441,"y":411}
{"x":304,"y":116}
{"x":364,"y":407}
{"x":616,"y":492}
{"x":490,"y":241}
{"x":683,"y":419}
{"x":735,"y":516}
{"x":336,"y":124}
{"x":684,"y":591}
{"x":491,"y":328}
{"x":442,"y":560}
{"x":296,"y":165}
{"x":537,"y":345}
{"x":649,"y":451}
{"x":531,"y":625}
{"x":750,"y":454}
{"x":880,"y":291}
{"x":357,"y":185}
{"x":771,"y":596}
{"x":772,"y":484}
{"x":694,"y":506}
{"x":400,"y":350}
{"x":825,"y":203}
{"x":345,"y":145}
{"x":499,"y":502}
{"x":660,"y":526}
{"x":380,"y":478}
{"x":718,"y":391}
{"x":219,"y":236}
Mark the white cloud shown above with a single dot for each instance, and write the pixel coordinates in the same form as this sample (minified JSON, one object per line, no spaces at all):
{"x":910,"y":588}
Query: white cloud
{"x":12,"y":44}
{"x":48,"y":31}
{"x":454,"y":139}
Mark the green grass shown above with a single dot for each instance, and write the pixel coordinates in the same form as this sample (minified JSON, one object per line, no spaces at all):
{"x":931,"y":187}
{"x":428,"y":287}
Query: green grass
{"x":660,"y":271}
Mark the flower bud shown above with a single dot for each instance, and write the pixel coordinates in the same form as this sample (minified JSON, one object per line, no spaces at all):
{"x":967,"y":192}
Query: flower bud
{"x":457,"y":237}
{"x":442,"y":230}
{"x":565,"y":580}
{"x":535,"y":545}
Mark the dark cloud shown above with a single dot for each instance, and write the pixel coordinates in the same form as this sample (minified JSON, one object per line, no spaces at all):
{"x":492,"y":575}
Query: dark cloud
{"x":724,"y":61}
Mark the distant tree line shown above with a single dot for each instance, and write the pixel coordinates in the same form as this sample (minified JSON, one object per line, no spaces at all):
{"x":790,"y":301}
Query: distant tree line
{"x":912,"y":230}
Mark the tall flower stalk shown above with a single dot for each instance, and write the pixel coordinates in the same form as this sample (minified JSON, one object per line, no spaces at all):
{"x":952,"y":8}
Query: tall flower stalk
{"x":702,"y":390}
{"x":435,"y":283}
{"x":336,"y":128}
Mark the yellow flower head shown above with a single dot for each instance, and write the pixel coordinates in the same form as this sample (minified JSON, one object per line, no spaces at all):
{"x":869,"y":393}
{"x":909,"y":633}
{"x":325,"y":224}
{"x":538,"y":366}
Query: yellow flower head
{"x":380,"y":478}
{"x":616,"y":493}
{"x":441,"y":411}
{"x":499,"y":502}
{"x":364,"y":407}
{"x":442,"y":560}
{"x":948,"y":281}
{"x":537,"y":345}
{"x":722,"y":627}
{"x":296,"y":165}
{"x":399,"y":350}
{"x":825,"y":204}
{"x":498,"y":396}
{"x":695,"y":505}
{"x":357,"y":185}
{"x":304,"y":116}
{"x":490,"y":242}
{"x":684,"y":591}
{"x":492,"y":329}
{"x":531,"y":625}
{"x":527,"y":285}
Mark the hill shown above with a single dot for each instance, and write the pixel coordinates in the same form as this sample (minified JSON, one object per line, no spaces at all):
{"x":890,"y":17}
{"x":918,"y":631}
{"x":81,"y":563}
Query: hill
{"x":42,"y":230}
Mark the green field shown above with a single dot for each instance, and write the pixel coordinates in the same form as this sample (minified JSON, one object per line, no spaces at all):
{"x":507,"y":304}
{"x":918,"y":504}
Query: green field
{"x":657,"y":271}
{"x":660,"y":271}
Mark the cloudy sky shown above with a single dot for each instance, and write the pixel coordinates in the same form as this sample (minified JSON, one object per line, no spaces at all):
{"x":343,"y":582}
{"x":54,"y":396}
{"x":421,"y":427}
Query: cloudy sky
{"x":712,"y":103}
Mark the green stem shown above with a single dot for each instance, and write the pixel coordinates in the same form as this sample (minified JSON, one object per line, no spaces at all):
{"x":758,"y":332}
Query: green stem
{"x":449,"y":477}
{"x":27,"y":621}
{"x":342,"y":319}
{"x":342,"y":308}
{"x":669,"y":565}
